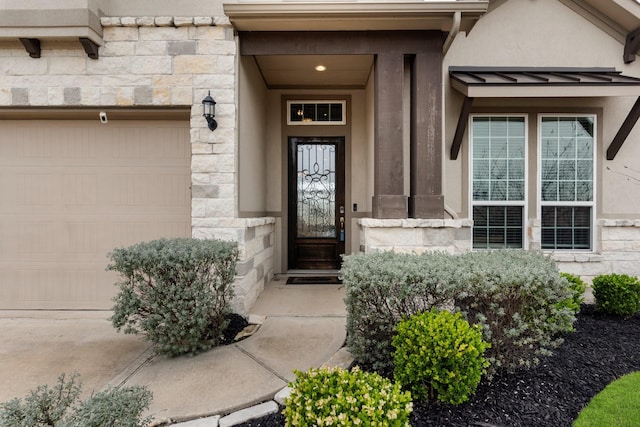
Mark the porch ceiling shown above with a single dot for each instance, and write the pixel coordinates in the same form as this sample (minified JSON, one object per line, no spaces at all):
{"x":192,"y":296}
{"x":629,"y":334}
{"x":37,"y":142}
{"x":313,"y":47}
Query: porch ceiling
{"x":298,"y":71}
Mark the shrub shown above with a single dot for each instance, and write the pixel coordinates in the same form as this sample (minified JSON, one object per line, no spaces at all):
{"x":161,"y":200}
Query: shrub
{"x":334,"y":396}
{"x":617,"y":294}
{"x":514,"y":295}
{"x":382,"y":289}
{"x":176,"y":292}
{"x":439,"y":356}
{"x":577,"y":288}
{"x":59,"y":406}
{"x":114,"y":408}
{"x":44,"y":406}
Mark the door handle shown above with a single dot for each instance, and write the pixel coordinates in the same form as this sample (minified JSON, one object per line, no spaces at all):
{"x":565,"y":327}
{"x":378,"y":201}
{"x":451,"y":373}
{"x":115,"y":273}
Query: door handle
{"x":342,"y":229}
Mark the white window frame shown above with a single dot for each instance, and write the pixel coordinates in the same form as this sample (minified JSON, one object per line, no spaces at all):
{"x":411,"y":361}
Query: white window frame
{"x":317,"y":123}
{"x":523,"y":203}
{"x":591,"y":204}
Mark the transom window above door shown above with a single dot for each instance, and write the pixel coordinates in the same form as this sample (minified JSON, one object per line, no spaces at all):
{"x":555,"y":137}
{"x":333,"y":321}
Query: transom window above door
{"x":316,"y":112}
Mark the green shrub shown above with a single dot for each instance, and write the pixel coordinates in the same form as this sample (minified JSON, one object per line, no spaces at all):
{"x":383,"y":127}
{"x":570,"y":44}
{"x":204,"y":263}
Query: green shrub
{"x":514,"y":295}
{"x":439,"y":356}
{"x":617,"y":294}
{"x":60,"y":406}
{"x":577,"y":288}
{"x":334,"y":396}
{"x":176,"y":292}
{"x":384,"y":288}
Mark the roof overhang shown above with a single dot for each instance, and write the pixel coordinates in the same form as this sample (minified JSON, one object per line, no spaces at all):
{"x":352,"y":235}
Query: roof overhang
{"x":537,"y":82}
{"x":353,"y":16}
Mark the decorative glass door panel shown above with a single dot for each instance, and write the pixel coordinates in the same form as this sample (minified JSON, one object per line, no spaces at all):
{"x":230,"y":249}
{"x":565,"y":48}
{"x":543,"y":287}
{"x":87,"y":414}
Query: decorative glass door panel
{"x":316,"y":202}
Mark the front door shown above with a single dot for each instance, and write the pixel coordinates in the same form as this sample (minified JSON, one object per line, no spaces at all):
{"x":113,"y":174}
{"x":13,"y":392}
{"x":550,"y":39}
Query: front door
{"x":316,"y":202}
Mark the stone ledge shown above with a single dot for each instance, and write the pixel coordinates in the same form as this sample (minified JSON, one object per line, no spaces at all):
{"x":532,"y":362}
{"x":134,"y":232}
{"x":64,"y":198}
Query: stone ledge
{"x":619,"y":223}
{"x":165,"y":21}
{"x":414,"y":223}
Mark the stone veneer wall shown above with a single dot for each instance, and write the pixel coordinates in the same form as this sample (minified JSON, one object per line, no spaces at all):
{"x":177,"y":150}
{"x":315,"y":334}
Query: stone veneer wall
{"x":255,"y":237}
{"x":619,"y":242}
{"x":160,"y":62}
{"x":415,"y":235}
{"x":619,"y":251}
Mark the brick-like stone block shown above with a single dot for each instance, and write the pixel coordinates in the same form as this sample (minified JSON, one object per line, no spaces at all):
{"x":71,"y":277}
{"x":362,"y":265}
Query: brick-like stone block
{"x":163,"y":33}
{"x":72,"y":96}
{"x":109,"y":21}
{"x":151,"y":47}
{"x":151,"y":65}
{"x":199,"y":21}
{"x":194,"y":64}
{"x":183,"y":47}
{"x":183,"y":21}
{"x":110,"y":34}
{"x":164,"y":21}
{"x":143,"y":95}
{"x":182,"y":95}
{"x":129,"y":21}
{"x":120,"y":48}
{"x":19,"y":96}
{"x":205,"y":191}
{"x":146,"y":21}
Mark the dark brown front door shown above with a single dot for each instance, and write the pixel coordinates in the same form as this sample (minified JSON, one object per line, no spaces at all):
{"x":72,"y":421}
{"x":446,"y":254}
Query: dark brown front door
{"x":316,"y":202}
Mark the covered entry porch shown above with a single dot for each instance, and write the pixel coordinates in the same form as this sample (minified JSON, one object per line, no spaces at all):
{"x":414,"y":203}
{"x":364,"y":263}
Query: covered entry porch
{"x":385,"y":64}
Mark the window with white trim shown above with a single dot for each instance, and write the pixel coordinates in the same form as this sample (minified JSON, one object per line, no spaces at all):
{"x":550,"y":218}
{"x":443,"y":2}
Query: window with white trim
{"x":567,"y":162}
{"x":498,"y":172}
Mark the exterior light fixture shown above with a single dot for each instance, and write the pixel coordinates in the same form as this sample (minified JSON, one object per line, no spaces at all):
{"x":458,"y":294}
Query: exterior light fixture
{"x":209,"y":111}
{"x":320,"y":68}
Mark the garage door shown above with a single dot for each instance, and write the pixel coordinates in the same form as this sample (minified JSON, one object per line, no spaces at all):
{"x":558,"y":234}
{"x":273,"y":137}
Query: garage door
{"x":71,"y":191}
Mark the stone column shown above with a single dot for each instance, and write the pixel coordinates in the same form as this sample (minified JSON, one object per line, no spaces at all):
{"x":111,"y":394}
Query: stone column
{"x":389,"y":200}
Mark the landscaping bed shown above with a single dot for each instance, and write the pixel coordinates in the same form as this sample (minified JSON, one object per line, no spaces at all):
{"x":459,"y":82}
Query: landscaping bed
{"x":602,"y":349}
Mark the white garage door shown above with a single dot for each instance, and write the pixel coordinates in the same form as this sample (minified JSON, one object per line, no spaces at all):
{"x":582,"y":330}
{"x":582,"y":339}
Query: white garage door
{"x":72,"y":191}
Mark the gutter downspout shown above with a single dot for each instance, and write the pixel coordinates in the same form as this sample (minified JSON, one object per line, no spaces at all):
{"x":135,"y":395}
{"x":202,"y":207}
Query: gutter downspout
{"x":455,"y":28}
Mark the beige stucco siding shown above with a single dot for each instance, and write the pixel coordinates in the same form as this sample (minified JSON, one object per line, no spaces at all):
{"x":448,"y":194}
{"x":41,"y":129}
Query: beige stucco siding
{"x":544,"y":33}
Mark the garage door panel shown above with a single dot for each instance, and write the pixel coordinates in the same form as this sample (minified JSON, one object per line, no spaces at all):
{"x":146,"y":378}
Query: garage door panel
{"x":71,"y":192}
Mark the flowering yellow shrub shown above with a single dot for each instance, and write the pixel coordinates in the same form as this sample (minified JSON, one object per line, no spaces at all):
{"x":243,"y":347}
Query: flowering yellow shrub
{"x":337,"y":397}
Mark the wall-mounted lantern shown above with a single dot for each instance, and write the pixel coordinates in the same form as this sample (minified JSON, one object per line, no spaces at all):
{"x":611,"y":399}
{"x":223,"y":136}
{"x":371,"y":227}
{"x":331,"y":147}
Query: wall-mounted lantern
{"x":209,"y":111}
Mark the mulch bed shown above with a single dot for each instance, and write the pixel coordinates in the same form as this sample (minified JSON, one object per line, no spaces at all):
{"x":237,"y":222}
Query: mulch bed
{"x":602,"y":349}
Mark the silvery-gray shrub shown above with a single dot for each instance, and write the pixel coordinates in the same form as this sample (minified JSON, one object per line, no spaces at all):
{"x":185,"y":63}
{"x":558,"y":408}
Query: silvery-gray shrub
{"x":177,"y":292}
{"x":386,"y":287}
{"x":517,"y":297}
{"x":60,"y":406}
{"x":514,"y":295}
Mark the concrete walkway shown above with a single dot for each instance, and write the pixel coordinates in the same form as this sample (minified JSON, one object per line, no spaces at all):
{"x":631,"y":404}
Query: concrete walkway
{"x":303,"y":326}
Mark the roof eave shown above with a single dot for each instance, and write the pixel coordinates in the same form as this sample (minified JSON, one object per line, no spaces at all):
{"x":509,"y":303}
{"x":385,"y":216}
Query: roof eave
{"x":353,"y":16}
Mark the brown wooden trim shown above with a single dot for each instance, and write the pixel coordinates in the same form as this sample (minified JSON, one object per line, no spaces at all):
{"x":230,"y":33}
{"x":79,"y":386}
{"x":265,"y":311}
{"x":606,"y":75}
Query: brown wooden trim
{"x":631,"y":46}
{"x":90,"y":47}
{"x":460,"y":129}
{"x":624,"y":131}
{"x":32,"y":46}
{"x":337,"y":42}
{"x":426,"y":199}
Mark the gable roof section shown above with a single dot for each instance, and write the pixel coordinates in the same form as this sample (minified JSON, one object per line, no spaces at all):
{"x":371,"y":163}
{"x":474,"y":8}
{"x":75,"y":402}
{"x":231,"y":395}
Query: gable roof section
{"x":517,"y":82}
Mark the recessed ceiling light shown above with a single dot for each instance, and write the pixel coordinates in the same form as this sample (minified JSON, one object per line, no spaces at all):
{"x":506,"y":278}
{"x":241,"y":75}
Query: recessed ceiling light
{"x":320,"y":68}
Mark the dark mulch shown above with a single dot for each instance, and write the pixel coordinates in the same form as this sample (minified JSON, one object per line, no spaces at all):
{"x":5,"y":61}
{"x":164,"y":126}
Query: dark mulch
{"x":602,"y":349}
{"x":236,"y":324}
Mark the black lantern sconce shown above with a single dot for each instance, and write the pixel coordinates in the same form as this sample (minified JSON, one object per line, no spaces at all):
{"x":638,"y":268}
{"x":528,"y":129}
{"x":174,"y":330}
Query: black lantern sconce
{"x":209,"y":111}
